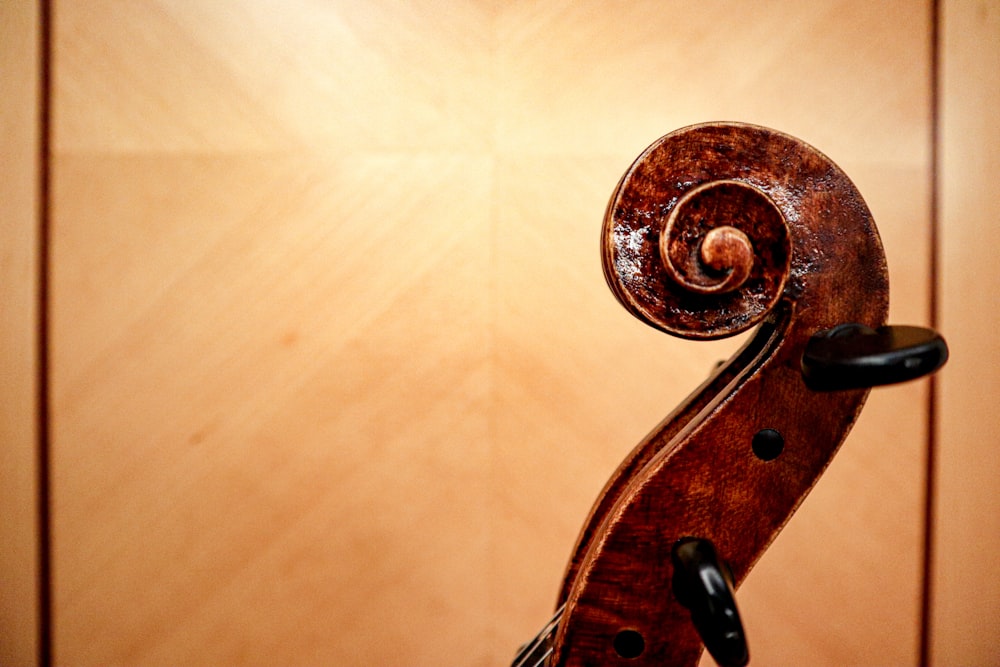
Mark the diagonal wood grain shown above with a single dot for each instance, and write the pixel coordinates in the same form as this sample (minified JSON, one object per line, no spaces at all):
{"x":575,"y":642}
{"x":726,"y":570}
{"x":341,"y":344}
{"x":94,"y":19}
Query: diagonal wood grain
{"x":336,"y":376}
{"x":828,"y":72}
{"x":262,"y":430}
{"x":203,"y":77}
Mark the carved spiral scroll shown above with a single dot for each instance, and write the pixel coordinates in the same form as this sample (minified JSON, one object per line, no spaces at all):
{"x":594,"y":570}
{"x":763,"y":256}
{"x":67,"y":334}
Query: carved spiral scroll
{"x":696,"y":258}
{"x":709,"y":240}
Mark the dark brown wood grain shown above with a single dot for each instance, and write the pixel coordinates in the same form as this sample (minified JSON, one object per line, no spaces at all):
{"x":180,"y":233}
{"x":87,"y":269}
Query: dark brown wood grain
{"x":676,"y":239}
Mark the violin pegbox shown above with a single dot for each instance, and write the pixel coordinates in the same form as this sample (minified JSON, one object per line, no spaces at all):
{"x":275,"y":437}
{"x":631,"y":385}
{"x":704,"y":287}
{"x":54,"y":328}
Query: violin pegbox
{"x":713,"y":230}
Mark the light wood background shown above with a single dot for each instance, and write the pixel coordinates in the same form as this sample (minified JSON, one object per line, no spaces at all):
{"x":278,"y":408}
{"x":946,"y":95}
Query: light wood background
{"x":20,"y":89}
{"x":334,"y":373}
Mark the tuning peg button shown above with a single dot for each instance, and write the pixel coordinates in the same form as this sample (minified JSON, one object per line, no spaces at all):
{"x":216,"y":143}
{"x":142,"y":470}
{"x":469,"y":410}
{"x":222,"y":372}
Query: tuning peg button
{"x":704,"y":585}
{"x":853,"y":356}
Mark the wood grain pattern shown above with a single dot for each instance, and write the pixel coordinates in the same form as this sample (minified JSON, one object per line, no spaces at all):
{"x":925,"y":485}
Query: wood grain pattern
{"x":966,"y":606}
{"x":817,"y":263}
{"x":336,"y":372}
{"x":19,"y":212}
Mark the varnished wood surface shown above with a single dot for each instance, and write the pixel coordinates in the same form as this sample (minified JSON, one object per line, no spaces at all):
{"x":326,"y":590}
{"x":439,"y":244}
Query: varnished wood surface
{"x":815,"y":262}
{"x":19,"y":210}
{"x":966,"y":605}
{"x":336,"y":376}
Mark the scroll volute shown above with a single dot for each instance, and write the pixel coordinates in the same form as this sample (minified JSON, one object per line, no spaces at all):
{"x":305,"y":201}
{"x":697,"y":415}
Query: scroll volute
{"x":715,"y":229}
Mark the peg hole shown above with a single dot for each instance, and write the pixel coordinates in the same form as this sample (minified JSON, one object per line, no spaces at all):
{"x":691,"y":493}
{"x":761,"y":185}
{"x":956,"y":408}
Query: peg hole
{"x":629,"y":644}
{"x":767,"y":444}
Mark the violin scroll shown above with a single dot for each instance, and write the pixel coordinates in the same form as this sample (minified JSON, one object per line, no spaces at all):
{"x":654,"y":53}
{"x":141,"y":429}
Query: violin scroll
{"x":721,"y":255}
{"x":713,"y":230}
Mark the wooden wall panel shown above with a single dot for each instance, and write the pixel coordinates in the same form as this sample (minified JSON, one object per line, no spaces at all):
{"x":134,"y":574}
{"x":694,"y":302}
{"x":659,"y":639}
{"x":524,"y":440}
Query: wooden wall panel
{"x":19,"y":210}
{"x":966,"y":604}
{"x":279,"y":415}
{"x":336,"y":376}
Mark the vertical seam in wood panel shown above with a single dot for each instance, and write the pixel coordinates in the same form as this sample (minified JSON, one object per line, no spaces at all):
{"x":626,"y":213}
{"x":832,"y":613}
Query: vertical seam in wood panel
{"x":931,"y":426}
{"x":43,"y":340}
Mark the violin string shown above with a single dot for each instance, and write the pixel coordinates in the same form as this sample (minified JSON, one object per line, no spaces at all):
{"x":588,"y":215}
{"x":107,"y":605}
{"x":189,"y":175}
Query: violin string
{"x":529,"y":651}
{"x":544,"y":657}
{"x":520,"y":660}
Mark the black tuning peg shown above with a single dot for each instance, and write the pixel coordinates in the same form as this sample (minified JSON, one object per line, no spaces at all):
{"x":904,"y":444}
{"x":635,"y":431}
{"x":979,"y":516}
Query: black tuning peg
{"x":853,"y":356}
{"x":704,"y":585}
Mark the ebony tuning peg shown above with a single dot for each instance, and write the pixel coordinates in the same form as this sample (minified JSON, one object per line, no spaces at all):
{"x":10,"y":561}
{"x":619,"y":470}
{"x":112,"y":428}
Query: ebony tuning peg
{"x":704,"y":585}
{"x":853,"y":356}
